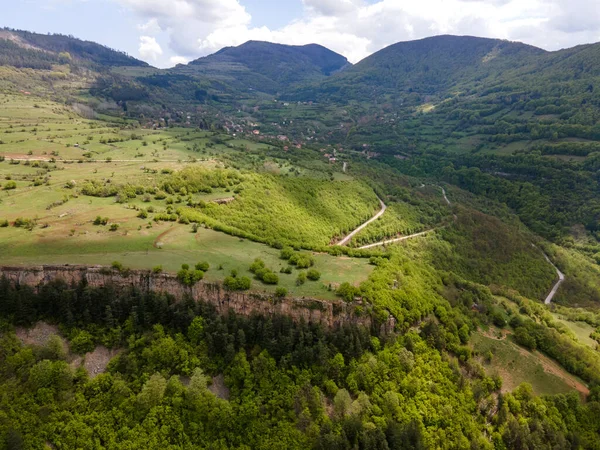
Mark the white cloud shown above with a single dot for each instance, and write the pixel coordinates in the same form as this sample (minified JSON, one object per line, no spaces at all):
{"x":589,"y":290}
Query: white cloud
{"x":149,"y":48}
{"x":178,"y":60}
{"x":356,"y":28}
{"x":151,"y":27}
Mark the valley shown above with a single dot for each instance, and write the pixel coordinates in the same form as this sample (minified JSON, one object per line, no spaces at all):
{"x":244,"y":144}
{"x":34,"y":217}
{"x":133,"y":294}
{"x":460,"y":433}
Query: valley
{"x":270,"y":247}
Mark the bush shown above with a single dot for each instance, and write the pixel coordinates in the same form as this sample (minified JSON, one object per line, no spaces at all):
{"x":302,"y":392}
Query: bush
{"x":313,"y":274}
{"x":114,"y":226}
{"x":286,"y":253}
{"x":525,"y":339}
{"x":301,"y":279}
{"x":185,"y":266}
{"x":270,"y":278}
{"x":347,"y":291}
{"x":3,"y":223}
{"x":157,"y":269}
{"x":237,"y":284}
{"x":302,"y":260}
{"x":143,"y":214}
{"x":21,"y":222}
{"x":10,"y":185}
{"x":287,"y":270}
{"x":204,"y":266}
{"x":100,"y":220}
{"x":257,"y":265}
{"x":280,"y":292}
{"x":82,"y":342}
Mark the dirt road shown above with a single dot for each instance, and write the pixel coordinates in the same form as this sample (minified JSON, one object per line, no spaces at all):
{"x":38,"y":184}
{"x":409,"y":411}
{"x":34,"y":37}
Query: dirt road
{"x":390,"y":241}
{"x":372,"y":219}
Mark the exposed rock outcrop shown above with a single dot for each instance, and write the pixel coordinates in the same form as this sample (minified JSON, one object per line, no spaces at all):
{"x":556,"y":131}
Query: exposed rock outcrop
{"x":328,"y":313}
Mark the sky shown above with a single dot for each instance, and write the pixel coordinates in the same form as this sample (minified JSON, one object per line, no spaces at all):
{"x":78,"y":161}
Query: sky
{"x":168,"y":32}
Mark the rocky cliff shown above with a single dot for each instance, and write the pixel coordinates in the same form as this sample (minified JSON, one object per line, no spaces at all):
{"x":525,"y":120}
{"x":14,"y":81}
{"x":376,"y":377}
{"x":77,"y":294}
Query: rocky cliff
{"x":329,"y":313}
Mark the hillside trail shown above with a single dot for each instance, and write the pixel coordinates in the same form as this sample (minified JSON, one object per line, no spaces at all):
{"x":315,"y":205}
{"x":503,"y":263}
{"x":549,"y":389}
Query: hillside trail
{"x":561,"y":279}
{"x":561,"y":276}
{"x":410,"y":236}
{"x":372,"y":219}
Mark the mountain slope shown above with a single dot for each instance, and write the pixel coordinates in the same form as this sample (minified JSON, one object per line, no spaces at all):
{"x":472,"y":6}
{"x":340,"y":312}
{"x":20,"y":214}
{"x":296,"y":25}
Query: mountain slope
{"x":54,"y":47}
{"x":430,"y":66}
{"x":267,"y":67}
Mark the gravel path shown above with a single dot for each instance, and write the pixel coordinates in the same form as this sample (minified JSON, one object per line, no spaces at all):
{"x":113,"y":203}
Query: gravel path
{"x":372,"y":219}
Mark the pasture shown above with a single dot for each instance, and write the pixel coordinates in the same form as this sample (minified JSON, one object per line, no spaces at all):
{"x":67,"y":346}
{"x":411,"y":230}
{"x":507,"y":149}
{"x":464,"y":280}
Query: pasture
{"x":50,"y":152}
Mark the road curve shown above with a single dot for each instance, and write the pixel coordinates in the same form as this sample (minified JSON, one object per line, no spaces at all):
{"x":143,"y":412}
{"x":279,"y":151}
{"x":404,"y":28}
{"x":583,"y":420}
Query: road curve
{"x":372,"y":219}
{"x":561,"y":278}
{"x":391,"y":241}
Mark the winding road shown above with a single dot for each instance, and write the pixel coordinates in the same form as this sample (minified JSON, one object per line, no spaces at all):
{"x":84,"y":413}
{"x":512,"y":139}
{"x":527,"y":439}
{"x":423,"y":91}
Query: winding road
{"x":391,"y":241}
{"x":372,"y":219}
{"x":561,"y":278}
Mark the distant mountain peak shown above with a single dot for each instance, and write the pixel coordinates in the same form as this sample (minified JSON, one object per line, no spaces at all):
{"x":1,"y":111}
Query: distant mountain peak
{"x":270,"y":67}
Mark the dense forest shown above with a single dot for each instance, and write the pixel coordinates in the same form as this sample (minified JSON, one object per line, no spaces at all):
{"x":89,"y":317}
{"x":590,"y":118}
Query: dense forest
{"x":288,"y":385}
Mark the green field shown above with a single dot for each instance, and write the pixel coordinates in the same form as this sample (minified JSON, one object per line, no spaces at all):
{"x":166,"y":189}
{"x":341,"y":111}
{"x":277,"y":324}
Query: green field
{"x":516,"y":365}
{"x":50,"y":153}
{"x":581,"y":330}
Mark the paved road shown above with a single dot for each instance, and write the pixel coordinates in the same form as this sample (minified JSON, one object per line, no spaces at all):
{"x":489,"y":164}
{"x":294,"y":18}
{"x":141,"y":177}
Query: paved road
{"x":375,"y":217}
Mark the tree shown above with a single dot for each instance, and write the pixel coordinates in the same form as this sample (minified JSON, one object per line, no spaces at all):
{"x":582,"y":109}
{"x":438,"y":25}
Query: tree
{"x":313,"y":274}
{"x":152,"y":392}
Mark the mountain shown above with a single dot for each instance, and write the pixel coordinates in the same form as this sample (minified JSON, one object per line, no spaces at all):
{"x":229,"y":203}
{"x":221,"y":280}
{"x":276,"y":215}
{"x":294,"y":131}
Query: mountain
{"x":431,"y":66}
{"x":267,"y":67}
{"x":26,"y":49}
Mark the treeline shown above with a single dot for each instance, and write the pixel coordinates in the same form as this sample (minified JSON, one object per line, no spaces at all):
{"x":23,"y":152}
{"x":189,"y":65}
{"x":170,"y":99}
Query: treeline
{"x":549,"y":196}
{"x":281,"y":384}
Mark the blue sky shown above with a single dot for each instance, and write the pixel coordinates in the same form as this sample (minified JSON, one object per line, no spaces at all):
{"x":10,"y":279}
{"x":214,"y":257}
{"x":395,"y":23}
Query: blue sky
{"x":165,"y":32}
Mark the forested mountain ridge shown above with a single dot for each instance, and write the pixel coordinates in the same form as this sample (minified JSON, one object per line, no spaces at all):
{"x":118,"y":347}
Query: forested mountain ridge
{"x":267,"y":67}
{"x":26,"y":49}
{"x":430,"y":66}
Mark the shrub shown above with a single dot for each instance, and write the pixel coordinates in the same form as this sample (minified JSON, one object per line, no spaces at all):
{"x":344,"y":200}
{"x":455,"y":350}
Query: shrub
{"x":287,"y":269}
{"x":185,"y":266}
{"x":286,"y":253}
{"x":204,"y":266}
{"x":270,"y":278}
{"x":82,"y":342}
{"x":257,"y":265}
{"x":114,"y":226}
{"x":100,"y":220}
{"x":347,"y":291}
{"x":157,"y":269}
{"x":3,"y":223}
{"x":313,"y":274}
{"x":117,"y":266}
{"x":302,"y":260}
{"x":280,"y":292}
{"x":237,"y":284}
{"x":301,"y":279}
{"x":10,"y":185}
{"x":21,"y":222}
{"x":143,"y":214}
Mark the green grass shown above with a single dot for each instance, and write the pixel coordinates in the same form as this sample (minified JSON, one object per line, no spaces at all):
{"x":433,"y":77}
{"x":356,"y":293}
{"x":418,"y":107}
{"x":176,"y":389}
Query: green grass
{"x":175,"y":245}
{"x":516,"y":365}
{"x":31,"y":128}
{"x":581,"y":330}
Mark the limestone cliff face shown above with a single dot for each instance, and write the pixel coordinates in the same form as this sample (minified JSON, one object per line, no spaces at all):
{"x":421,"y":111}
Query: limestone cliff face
{"x":328,"y":313}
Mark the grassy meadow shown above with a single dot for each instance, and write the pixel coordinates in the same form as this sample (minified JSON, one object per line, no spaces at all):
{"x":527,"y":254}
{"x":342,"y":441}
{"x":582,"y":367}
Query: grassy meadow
{"x":49,"y":153}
